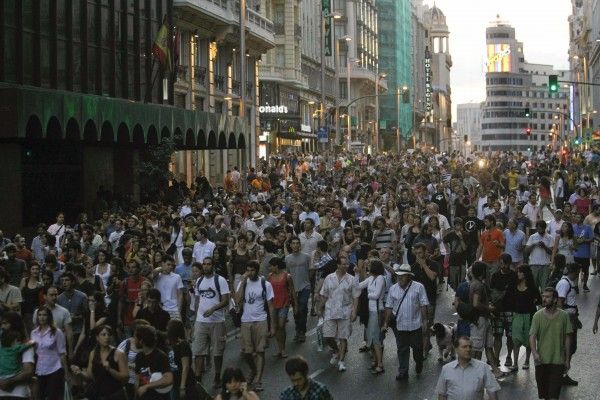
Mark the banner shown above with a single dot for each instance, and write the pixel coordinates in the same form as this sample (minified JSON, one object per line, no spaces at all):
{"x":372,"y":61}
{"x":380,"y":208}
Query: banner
{"x":326,"y":12}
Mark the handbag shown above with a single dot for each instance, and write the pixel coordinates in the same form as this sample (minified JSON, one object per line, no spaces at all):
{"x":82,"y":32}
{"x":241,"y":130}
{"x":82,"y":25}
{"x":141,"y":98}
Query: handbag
{"x":395,"y":316}
{"x":173,"y":247}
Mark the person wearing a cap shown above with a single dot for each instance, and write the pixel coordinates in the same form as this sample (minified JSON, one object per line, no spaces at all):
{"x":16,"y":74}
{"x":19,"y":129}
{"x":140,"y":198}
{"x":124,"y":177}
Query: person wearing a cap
{"x":406,"y":311}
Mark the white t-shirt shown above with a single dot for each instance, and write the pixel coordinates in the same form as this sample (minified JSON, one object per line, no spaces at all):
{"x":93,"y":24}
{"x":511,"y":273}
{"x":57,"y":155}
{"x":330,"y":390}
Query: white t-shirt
{"x":538,"y":255}
{"x":532,"y":212}
{"x":22,"y":389}
{"x":254,"y":305}
{"x":203,"y":250}
{"x":208,"y":296}
{"x":566,"y":289}
{"x":168,"y":286}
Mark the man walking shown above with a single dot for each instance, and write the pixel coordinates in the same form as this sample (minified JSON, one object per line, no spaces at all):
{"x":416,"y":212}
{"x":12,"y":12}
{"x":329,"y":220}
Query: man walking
{"x":407,"y":303}
{"x":539,"y":248}
{"x":303,"y":387}
{"x":568,"y":301}
{"x":340,"y":294}
{"x":255,"y":295}
{"x":466,"y":377}
{"x":550,"y":341}
{"x":298,"y":264}
{"x":491,"y":245}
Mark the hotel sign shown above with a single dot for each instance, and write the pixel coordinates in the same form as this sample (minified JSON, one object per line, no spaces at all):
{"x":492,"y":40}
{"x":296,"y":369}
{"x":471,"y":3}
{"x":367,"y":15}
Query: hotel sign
{"x":428,"y":85}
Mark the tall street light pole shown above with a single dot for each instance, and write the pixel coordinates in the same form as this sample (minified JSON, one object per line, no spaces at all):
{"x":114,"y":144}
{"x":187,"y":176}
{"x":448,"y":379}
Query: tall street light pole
{"x":326,"y":14}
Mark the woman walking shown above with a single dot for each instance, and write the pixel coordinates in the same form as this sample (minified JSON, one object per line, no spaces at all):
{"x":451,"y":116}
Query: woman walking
{"x":51,"y":367}
{"x":31,"y":286}
{"x":107,"y":368}
{"x":525,"y":296}
{"x":375,"y":285}
{"x":284,"y":296}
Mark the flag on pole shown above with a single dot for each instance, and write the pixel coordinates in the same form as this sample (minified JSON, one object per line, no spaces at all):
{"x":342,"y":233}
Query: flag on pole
{"x":160,"y":48}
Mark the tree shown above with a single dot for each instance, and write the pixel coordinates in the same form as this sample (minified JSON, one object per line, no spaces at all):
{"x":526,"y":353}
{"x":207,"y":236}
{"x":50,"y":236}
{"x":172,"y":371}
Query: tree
{"x":154,"y":170}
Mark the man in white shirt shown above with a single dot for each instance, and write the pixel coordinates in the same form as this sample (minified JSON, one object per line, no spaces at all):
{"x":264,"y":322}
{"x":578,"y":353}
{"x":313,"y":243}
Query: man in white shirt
{"x":309,"y":212}
{"x":203,"y":247}
{"x":407,"y":302}
{"x":567,"y":300}
{"x":532,"y":210}
{"x":309,"y":238}
{"x":539,"y":248}
{"x":466,"y":378}
{"x":255,"y":295}
{"x":433,"y":211}
{"x":58,"y":229}
{"x":340,"y":293}
{"x":212,"y":298}
{"x":556,"y":224}
{"x":170,"y":286}
{"x":115,"y":236}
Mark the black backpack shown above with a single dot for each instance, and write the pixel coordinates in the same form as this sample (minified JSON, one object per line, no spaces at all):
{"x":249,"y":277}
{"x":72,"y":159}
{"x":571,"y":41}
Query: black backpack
{"x":217,"y":285}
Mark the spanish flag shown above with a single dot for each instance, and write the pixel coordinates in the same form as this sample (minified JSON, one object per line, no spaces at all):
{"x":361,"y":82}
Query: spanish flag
{"x":160,"y":48}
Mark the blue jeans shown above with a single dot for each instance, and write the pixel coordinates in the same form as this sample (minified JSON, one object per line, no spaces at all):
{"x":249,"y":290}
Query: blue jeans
{"x":405,"y":340}
{"x":301,"y":314}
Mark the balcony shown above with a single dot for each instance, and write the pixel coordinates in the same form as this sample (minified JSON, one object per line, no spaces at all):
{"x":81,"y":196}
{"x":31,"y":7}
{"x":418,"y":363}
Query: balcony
{"x":277,"y":73}
{"x":358,"y":73}
{"x":217,"y":14}
{"x":182,"y":73}
{"x":200,"y":75}
{"x":220,"y":83}
{"x":235,"y":87}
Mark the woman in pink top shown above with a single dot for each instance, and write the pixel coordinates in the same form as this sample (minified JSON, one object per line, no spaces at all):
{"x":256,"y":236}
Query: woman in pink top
{"x":51,"y":368}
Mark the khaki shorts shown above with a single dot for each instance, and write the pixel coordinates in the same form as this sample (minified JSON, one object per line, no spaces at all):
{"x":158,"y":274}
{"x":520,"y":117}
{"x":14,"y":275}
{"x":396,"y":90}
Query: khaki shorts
{"x":254,"y":336}
{"x":482,"y":335}
{"x":209,"y":335}
{"x":337,"y":329}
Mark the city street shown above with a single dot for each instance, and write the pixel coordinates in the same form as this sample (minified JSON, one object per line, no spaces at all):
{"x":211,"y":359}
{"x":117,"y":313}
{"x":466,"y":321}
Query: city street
{"x":358,"y":383}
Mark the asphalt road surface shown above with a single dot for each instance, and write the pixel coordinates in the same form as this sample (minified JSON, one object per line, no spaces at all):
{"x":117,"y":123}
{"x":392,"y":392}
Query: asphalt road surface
{"x":358,"y":383}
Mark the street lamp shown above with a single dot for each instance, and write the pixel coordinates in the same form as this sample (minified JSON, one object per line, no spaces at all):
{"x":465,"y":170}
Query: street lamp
{"x":324,"y":17}
{"x":348,"y":39}
{"x":349,"y":62}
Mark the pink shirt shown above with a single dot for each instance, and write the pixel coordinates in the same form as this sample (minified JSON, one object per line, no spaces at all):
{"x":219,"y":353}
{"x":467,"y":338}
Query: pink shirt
{"x":50,"y":347}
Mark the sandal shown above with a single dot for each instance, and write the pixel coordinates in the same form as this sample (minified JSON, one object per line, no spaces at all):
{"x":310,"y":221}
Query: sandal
{"x":378,"y":371}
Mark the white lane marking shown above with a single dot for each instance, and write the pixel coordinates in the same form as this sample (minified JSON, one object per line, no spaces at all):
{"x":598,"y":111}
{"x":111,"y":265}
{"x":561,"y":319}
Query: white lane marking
{"x":316,"y":373}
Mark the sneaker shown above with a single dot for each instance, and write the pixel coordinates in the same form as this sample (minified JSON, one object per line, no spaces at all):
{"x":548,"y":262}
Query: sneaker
{"x":341,"y":366}
{"x":586,"y":288}
{"x":334,"y":360}
{"x":320,"y":348}
{"x":508,"y":362}
{"x":568,"y":381}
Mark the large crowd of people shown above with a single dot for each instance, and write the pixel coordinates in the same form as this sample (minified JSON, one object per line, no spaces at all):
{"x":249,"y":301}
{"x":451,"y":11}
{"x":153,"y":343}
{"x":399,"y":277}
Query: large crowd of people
{"x":138,"y":301}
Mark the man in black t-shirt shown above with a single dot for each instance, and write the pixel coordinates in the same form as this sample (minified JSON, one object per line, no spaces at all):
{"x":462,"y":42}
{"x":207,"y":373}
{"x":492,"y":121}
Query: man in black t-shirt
{"x":501,"y":280}
{"x":426,"y":272}
{"x":153,"y":312}
{"x":472,"y":227}
{"x":154,"y":379}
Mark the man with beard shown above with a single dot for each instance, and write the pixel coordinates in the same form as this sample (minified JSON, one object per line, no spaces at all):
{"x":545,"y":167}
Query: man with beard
{"x":212,"y":294}
{"x":255,"y":296}
{"x":550,"y":341}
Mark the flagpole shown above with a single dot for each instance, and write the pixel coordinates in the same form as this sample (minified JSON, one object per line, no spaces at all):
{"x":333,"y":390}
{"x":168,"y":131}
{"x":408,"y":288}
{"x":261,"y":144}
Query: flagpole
{"x":148,"y":96}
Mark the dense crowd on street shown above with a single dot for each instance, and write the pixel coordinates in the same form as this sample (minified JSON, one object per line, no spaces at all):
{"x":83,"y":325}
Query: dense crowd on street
{"x":139,"y":301}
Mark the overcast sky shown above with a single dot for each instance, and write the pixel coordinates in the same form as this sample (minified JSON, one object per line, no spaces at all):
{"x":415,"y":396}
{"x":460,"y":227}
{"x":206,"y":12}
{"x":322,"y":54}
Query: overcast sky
{"x":542,"y":26}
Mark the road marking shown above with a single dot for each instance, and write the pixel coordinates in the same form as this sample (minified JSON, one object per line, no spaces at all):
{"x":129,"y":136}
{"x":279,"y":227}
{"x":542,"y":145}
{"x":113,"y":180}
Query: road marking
{"x":316,"y":373}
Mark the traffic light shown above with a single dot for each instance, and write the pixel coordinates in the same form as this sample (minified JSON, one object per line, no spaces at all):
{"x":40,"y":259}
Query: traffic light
{"x":465,"y":138}
{"x":577,"y":140}
{"x":527,"y":112}
{"x":553,"y":83}
{"x":528,"y":131}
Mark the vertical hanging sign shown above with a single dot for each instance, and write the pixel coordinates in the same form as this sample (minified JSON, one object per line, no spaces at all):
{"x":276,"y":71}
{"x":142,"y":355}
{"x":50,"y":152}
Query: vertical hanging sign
{"x":326,"y":14}
{"x":428,"y":87}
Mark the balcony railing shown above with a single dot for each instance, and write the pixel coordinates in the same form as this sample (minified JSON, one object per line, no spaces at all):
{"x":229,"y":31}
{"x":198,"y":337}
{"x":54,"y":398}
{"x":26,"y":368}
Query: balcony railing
{"x":200,"y":75}
{"x":220,"y":83}
{"x":235,"y":87}
{"x":182,"y":72}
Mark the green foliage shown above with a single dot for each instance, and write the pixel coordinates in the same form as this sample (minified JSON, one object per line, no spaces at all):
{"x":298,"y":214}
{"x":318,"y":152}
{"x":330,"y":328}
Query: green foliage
{"x":153,"y":169}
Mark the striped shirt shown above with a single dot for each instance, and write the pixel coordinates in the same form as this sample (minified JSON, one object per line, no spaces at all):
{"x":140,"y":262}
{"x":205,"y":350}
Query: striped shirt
{"x":408,"y":317}
{"x":384,"y":238}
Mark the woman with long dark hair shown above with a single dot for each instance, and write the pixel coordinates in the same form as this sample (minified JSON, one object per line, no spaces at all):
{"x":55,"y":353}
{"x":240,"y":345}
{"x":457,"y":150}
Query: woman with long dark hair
{"x":51,"y":367}
{"x":524,"y":296}
{"x":107,"y":368}
{"x":235,"y":387}
{"x":565,"y":243}
{"x":180,"y":355}
{"x":31,"y":286}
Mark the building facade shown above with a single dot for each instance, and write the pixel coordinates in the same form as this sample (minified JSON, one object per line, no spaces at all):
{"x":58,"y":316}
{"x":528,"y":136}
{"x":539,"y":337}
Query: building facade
{"x":468,"y":123}
{"x":397,"y":62}
{"x":82,"y":116}
{"x":512,"y":86}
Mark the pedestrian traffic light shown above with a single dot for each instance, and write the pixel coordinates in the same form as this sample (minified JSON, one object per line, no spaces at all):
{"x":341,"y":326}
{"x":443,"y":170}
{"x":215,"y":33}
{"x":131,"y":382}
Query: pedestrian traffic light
{"x":527,"y":112}
{"x":553,"y":83}
{"x":465,"y":138}
{"x":528,"y":131}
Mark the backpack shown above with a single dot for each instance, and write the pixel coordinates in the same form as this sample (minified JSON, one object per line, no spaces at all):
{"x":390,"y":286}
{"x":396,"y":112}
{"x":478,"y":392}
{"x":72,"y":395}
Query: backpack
{"x":217,"y":285}
{"x":236,"y":315}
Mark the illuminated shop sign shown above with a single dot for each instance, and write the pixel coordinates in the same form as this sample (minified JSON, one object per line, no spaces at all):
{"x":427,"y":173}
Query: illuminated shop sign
{"x":428,"y":87}
{"x":498,"y":58}
{"x":273,"y":109}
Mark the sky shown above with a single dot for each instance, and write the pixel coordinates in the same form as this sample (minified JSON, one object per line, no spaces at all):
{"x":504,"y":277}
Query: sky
{"x":541,"y":25}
